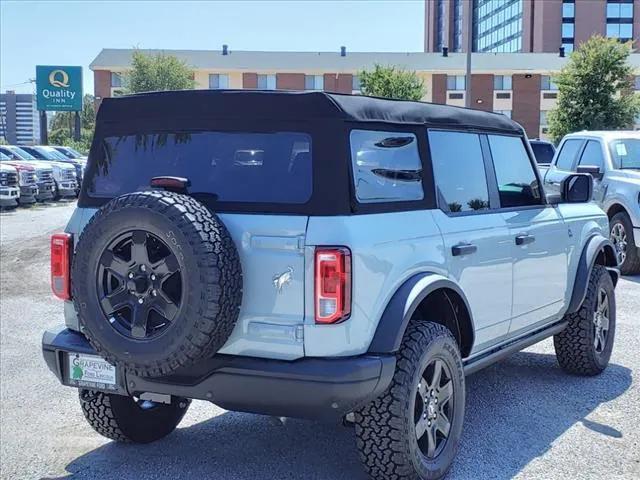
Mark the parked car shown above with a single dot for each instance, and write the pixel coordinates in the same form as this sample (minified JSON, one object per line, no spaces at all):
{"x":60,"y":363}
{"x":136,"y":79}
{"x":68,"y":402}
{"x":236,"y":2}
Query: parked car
{"x":543,"y":152}
{"x":36,"y":178}
{"x":79,"y":160}
{"x":65,"y":171}
{"x":613,"y":159}
{"x":9,"y":188}
{"x":348,"y":267}
{"x":71,"y":153}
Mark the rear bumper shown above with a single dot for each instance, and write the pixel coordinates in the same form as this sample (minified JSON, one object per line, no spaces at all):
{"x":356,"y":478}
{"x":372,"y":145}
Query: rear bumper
{"x":318,"y":388}
{"x":636,"y":236}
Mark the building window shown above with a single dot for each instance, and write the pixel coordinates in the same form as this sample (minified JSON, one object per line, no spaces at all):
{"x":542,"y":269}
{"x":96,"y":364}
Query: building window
{"x":567,"y":30}
{"x":568,"y":25}
{"x":497,"y":25}
{"x":355,"y":84}
{"x":457,"y":26}
{"x":506,"y":113}
{"x":116,"y":80}
{"x":455,"y":82}
{"x":543,"y":118}
{"x":314,"y":82}
{"x":547,"y":83}
{"x":620,"y":19}
{"x":502,"y":82}
{"x":637,"y":82}
{"x":267,"y":82}
{"x":440,"y":19}
{"x":622,"y":31}
{"x":619,"y":9}
{"x":218,"y":81}
{"x":568,"y":9}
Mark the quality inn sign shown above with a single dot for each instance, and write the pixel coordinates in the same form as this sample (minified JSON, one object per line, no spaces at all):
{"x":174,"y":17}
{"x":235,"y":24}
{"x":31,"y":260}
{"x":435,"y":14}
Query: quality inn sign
{"x":59,"y":88}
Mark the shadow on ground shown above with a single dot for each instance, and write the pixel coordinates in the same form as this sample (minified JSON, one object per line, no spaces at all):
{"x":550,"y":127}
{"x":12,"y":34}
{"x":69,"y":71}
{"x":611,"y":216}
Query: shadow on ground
{"x":515,"y":410}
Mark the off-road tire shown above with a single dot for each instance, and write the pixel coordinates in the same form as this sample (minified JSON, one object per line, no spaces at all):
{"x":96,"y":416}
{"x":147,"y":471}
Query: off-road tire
{"x":385,"y":431}
{"x":575,"y":349}
{"x":631,"y":264}
{"x":123,"y":419}
{"x":212,"y":282}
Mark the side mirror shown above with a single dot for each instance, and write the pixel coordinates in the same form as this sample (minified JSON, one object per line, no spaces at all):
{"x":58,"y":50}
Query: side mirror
{"x":577,"y":188}
{"x":592,"y":170}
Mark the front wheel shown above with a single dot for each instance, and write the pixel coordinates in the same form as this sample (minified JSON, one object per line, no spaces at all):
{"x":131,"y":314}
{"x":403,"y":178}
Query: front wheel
{"x":584,"y":347}
{"x":130,"y":420}
{"x":413,"y":430}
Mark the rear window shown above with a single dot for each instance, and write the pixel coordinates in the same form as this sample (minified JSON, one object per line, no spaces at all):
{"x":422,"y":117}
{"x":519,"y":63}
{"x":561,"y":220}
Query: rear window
{"x":235,"y":167}
{"x":543,"y":152}
{"x":625,"y":153}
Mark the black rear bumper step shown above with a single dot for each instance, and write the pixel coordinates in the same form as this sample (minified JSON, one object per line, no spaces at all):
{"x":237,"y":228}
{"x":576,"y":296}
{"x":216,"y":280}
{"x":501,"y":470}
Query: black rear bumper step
{"x":317,"y":388}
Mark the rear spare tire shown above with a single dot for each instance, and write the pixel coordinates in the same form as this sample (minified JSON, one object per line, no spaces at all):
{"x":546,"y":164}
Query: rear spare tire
{"x":156,"y":282}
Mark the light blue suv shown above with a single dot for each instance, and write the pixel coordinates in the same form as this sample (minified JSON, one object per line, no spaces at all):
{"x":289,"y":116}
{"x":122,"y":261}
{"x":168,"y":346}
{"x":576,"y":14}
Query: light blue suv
{"x":319,"y":255}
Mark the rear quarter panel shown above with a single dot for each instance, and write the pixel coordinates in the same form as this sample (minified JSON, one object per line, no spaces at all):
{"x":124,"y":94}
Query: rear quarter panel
{"x":386,"y":250}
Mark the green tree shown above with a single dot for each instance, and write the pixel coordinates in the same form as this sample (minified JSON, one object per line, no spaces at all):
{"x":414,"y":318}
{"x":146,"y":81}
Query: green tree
{"x":150,"y":73}
{"x":391,"y":82}
{"x":63,"y":124}
{"x":595,"y":90}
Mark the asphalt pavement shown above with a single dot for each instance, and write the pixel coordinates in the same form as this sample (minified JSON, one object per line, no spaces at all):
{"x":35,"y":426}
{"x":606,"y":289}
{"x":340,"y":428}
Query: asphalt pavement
{"x":525,"y":418}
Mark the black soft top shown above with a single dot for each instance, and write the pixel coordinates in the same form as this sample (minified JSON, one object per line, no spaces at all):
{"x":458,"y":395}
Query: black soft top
{"x":293,"y":106}
{"x":327,"y":118}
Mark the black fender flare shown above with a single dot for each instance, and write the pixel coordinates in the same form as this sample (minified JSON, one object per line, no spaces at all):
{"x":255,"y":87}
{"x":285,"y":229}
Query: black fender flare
{"x":594,"y":245}
{"x":403,"y":304}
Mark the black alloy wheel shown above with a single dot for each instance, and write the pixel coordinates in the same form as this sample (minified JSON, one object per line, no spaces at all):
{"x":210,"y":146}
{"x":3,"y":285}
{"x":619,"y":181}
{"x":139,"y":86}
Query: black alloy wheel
{"x":433,"y":408}
{"x":139,"y":284}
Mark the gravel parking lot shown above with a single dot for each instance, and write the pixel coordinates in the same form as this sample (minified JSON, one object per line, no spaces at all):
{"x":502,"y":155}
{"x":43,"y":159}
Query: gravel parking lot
{"x":525,"y":418}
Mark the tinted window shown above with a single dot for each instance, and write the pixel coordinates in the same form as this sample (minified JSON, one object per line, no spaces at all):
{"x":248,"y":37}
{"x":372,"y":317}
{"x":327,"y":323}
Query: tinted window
{"x":386,"y":166}
{"x":235,"y":167}
{"x":517,"y":182}
{"x":625,"y":153}
{"x":543,"y":152}
{"x":592,"y":155}
{"x":567,"y":154}
{"x":459,"y":171}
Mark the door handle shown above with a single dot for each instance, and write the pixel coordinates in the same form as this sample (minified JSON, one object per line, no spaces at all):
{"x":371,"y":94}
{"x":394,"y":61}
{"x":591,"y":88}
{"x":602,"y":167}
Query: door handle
{"x":463,"y":249}
{"x":525,"y":239}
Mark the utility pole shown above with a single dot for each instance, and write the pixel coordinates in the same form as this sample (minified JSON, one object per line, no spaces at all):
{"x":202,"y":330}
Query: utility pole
{"x":468,"y":47}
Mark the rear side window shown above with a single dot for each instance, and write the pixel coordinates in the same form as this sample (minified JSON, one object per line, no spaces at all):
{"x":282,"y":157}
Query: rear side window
{"x":543,"y":152}
{"x":567,"y":154}
{"x":592,"y":155}
{"x":234,"y":167}
{"x":625,"y":153}
{"x":458,"y":167}
{"x":517,"y":182}
{"x":386,"y":166}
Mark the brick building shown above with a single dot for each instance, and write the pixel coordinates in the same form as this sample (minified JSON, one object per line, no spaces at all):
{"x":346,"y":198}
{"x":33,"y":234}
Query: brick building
{"x":516,"y":84}
{"x":527,"y":26}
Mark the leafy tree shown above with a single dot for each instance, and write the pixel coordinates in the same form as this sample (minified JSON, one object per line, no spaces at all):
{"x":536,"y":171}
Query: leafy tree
{"x":391,"y":82}
{"x":63,"y":124}
{"x":150,"y":73}
{"x":595,"y":90}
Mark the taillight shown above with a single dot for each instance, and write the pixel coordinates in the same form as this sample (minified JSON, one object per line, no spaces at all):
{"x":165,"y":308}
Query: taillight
{"x":61,"y":245}
{"x":333,"y":284}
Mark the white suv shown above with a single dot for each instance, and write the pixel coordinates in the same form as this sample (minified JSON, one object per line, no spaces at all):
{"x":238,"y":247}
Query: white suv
{"x":613,"y":159}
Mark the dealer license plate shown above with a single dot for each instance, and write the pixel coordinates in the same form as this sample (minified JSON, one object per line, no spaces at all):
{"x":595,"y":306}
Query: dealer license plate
{"x":91,"y":371}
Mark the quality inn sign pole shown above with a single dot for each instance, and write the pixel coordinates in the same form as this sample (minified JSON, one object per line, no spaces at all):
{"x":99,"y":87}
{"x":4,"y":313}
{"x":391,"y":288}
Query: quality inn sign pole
{"x":58,"y":89}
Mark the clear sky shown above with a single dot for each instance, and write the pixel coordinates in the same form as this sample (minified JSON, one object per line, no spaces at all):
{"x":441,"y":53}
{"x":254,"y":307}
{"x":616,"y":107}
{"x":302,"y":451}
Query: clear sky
{"x":73,"y":32}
